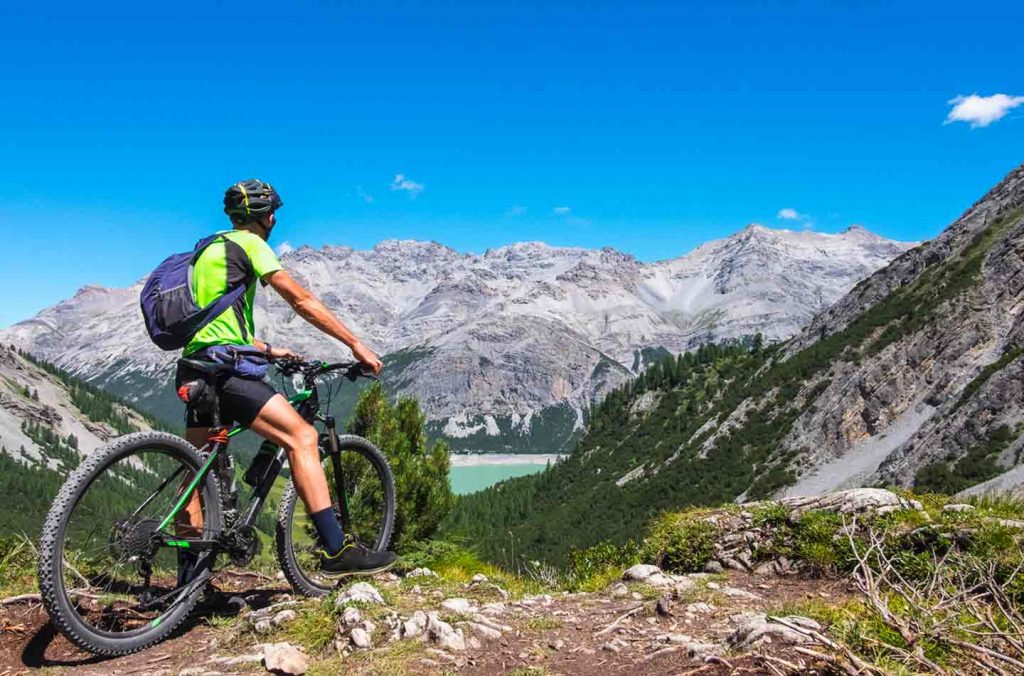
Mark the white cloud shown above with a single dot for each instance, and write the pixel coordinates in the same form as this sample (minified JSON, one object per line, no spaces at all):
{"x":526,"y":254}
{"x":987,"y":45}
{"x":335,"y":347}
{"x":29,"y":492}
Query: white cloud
{"x":981,"y":111}
{"x":404,"y":184}
{"x":363,"y":195}
{"x":516,"y":210}
{"x":561,"y":211}
{"x":790,"y":214}
{"x":284,"y":247}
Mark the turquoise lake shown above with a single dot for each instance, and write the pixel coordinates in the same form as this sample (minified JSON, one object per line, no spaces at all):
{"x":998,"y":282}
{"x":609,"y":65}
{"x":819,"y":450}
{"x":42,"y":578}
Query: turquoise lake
{"x":474,"y":473}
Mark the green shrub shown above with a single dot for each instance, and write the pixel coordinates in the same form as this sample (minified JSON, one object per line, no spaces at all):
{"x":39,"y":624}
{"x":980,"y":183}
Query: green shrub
{"x":422,"y":490}
{"x":594,"y":562}
{"x":681,"y":543}
{"x":818,"y":539}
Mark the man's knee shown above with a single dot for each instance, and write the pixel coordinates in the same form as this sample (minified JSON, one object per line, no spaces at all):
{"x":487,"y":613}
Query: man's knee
{"x":304,"y":439}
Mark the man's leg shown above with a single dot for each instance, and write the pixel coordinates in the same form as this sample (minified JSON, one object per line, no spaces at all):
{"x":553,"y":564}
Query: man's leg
{"x":188,"y":523}
{"x":281,"y":424}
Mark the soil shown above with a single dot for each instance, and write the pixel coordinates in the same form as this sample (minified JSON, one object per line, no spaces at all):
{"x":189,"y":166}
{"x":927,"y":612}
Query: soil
{"x":564,"y":635}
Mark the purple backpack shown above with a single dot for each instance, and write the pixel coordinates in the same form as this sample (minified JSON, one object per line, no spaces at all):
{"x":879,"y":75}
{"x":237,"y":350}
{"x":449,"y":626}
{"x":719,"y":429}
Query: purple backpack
{"x":172,"y":315}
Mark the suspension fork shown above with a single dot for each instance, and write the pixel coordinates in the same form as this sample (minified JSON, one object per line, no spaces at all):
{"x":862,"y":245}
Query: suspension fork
{"x":339,"y":475}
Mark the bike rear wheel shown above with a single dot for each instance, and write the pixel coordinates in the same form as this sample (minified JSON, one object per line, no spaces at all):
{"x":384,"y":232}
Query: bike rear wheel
{"x":105,"y":581}
{"x":365,"y":511}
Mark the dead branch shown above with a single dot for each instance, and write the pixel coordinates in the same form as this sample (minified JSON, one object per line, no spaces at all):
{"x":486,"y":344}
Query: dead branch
{"x":618,"y":620}
{"x":21,"y":598}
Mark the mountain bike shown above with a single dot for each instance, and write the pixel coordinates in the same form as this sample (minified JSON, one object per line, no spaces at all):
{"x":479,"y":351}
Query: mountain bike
{"x":110,"y":548}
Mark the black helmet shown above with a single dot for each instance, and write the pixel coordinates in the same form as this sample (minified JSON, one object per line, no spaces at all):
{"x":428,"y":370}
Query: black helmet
{"x":251,"y":198}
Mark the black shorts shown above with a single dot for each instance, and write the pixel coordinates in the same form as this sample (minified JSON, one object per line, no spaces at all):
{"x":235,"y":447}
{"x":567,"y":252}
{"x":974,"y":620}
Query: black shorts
{"x":241,"y":399}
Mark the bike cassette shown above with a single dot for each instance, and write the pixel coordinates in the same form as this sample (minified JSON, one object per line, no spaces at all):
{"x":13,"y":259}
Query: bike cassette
{"x":134,"y":539}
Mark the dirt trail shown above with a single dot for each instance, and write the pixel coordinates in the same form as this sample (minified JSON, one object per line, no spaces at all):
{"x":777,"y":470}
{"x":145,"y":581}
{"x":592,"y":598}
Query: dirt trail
{"x":607,"y":632}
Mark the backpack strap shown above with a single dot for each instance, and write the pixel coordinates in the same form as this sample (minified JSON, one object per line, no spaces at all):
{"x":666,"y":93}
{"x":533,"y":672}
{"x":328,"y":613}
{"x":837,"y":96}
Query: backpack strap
{"x":214,"y":309}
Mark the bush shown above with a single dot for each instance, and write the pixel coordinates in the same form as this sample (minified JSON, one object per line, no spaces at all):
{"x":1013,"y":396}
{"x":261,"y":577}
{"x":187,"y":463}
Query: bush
{"x":601,"y":560}
{"x":681,"y":543}
{"x":422,"y":491}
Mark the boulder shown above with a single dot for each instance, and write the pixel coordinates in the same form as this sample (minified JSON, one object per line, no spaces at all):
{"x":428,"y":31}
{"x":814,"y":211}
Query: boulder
{"x":852,"y":501}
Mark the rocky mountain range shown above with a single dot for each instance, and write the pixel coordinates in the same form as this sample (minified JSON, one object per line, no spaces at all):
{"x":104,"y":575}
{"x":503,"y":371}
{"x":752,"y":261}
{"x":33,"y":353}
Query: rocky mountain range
{"x":505,"y":350}
{"x":914,"y":378}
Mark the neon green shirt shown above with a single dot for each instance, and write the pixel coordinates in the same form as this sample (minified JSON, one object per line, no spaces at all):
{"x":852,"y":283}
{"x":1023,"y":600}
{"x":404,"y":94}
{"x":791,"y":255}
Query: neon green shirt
{"x":240,"y":257}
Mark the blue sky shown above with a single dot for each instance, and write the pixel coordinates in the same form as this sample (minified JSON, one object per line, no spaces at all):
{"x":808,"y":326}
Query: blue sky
{"x":647,"y":126}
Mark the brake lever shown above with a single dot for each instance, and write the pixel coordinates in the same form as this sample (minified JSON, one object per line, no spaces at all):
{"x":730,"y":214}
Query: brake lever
{"x":359,"y":371}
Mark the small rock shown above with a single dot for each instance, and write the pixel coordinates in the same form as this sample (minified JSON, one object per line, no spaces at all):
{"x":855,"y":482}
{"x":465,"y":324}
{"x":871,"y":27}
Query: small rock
{"x":713,"y":567}
{"x":351,"y":616}
{"x":958,"y":507}
{"x":360,"y":592}
{"x":636,"y":596}
{"x":733,"y":592}
{"x":714,"y":586}
{"x":700,"y":608}
{"x":444,"y":634}
{"x":619,"y":589}
{"x":641,"y":572}
{"x":485,"y":631}
{"x":284,"y":658}
{"x":493,"y":608}
{"x":683,"y":583}
{"x":263,"y":627}
{"x":664,"y":606}
{"x":361,"y":638}
{"x":479,"y":577}
{"x":416,"y":589}
{"x":421,"y":572}
{"x":614,"y":646}
{"x":284,"y":616}
{"x":459,"y":605}
{"x":557,"y":644}
{"x":415,"y":625}
{"x":388,"y":577}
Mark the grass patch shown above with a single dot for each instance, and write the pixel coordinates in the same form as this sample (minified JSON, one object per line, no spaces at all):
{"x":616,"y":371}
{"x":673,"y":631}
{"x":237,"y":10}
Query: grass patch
{"x":542,"y":623}
{"x":17,"y":566}
{"x":315,"y":627}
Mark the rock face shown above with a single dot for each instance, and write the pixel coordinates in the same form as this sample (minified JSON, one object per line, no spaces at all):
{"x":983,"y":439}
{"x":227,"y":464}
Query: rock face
{"x":30,"y":394}
{"x":502,"y":346}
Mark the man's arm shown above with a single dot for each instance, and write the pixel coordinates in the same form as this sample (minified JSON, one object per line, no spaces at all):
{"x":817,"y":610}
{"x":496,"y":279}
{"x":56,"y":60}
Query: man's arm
{"x":310,"y":308}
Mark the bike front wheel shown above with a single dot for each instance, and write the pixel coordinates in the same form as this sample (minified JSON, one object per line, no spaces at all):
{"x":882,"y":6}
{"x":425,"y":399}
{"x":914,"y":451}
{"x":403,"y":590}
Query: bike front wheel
{"x":108,"y":575}
{"x":362,"y":491}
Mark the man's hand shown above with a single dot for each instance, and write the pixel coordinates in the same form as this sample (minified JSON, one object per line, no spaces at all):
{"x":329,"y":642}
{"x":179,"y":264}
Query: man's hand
{"x":283,"y":353}
{"x":367,"y":357}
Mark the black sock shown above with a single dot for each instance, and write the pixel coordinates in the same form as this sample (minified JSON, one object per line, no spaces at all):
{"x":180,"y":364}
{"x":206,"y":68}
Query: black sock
{"x":330,"y":532}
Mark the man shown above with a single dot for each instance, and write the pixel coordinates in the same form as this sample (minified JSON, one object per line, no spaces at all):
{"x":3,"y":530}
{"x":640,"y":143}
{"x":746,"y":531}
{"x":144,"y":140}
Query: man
{"x":245,"y":257}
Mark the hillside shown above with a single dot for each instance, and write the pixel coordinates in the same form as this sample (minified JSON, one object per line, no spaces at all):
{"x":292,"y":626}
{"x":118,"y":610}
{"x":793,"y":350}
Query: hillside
{"x":504,"y":350}
{"x":48,"y":421}
{"x":912,"y":379}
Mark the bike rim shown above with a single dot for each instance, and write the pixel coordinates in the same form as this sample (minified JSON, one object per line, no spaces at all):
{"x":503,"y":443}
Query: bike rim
{"x":365,"y":498}
{"x":108,"y":544}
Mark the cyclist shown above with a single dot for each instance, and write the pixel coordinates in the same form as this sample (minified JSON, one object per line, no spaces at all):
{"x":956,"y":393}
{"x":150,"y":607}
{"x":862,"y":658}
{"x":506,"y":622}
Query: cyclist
{"x":243,"y":255}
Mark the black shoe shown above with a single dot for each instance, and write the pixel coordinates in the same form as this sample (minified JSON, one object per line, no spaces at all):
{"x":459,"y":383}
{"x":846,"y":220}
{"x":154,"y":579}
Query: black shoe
{"x":355,"y":559}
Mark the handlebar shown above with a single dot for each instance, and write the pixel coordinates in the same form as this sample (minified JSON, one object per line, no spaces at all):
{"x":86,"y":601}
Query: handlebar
{"x":313,"y":368}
